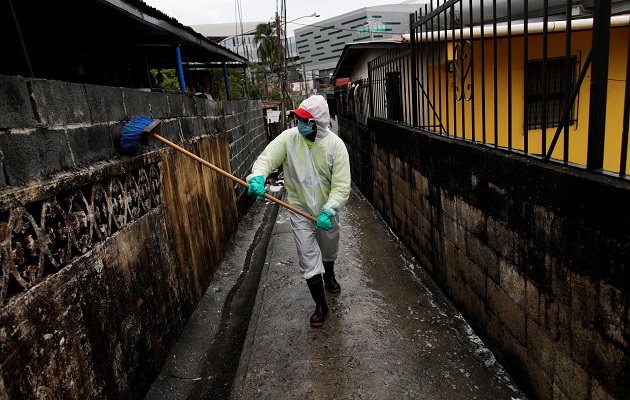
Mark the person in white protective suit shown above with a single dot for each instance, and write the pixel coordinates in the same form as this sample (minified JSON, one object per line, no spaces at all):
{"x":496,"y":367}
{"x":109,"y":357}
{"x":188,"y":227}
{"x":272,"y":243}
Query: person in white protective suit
{"x":317,"y":178}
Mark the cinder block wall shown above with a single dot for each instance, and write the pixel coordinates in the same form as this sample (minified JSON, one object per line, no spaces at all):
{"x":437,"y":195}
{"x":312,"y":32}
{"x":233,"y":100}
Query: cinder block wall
{"x":105,"y":252}
{"x":534,"y":255}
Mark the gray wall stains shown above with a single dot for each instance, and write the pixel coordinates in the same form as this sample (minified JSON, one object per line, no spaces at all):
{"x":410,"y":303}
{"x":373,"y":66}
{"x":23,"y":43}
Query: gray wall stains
{"x":105,"y":253}
{"x":534,"y":255}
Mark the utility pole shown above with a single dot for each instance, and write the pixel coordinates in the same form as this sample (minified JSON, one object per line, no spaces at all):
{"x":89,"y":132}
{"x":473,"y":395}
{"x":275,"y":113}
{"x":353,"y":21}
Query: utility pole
{"x":280,"y":75}
{"x":305,"y":80}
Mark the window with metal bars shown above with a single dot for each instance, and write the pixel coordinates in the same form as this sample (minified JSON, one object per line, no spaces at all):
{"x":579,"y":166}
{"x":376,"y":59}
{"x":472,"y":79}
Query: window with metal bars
{"x":556,"y":95}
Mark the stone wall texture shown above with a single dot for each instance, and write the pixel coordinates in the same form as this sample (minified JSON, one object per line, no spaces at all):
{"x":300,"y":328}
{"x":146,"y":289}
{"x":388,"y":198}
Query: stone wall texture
{"x":106,"y":252}
{"x":535,"y":255}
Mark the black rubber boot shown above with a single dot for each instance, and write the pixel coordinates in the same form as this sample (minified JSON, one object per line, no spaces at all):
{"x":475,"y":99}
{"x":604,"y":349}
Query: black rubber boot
{"x":316,"y":286}
{"x":329,"y":277}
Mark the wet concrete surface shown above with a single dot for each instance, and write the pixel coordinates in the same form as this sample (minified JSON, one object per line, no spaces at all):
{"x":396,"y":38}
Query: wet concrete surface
{"x":390,"y":334}
{"x":205,"y":359}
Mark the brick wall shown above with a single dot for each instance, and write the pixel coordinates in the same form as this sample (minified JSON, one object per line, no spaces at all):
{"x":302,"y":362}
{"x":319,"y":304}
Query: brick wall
{"x":534,"y":255}
{"x":106,"y":252}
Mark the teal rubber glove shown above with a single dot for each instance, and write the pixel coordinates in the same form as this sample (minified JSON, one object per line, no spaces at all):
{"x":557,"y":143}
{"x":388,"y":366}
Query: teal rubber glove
{"x":257,"y":187}
{"x":324,"y":220}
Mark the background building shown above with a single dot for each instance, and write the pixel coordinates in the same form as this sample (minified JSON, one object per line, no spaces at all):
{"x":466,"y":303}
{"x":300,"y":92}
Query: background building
{"x":229,"y":36}
{"x":320,"y":46}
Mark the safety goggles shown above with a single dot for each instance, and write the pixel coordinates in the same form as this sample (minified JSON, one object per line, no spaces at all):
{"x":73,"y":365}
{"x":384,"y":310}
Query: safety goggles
{"x":305,"y":120}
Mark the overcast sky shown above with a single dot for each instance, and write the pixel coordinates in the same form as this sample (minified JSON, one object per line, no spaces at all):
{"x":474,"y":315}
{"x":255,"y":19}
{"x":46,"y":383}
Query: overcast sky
{"x":196,"y":12}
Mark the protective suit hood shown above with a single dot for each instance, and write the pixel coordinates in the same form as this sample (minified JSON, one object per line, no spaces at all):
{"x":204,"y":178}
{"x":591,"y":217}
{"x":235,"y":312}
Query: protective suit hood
{"x":318,"y":107}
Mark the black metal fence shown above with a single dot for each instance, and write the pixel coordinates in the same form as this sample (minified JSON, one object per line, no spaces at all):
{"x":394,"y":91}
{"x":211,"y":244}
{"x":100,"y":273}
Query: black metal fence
{"x":518,"y":75}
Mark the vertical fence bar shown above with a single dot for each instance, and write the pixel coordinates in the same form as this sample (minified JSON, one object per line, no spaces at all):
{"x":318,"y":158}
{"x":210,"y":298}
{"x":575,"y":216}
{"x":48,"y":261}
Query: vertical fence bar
{"x":483,"y":73}
{"x":509,"y":50}
{"x":526,"y":77}
{"x":439,"y":82}
{"x":545,"y":75}
{"x":414,"y":62}
{"x":433,"y":64}
{"x":599,"y":84}
{"x":410,"y":85}
{"x":399,"y":73}
{"x":454,"y":74}
{"x":370,"y":84}
{"x":405,"y":93}
{"x":378,"y":98}
{"x":447,"y":73}
{"x":425,"y":71}
{"x":568,"y":82}
{"x":387,"y":106}
{"x":382,"y":90}
{"x":405,"y":84}
{"x":626,"y":117}
{"x":496,"y":88}
{"x":437,"y":46}
{"x":381,"y":96}
{"x":388,"y":82}
{"x":472,"y":73}
{"x":462,"y":95}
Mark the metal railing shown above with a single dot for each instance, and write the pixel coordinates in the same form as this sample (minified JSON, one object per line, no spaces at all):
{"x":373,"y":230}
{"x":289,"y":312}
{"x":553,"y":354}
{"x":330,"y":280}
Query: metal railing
{"x":516,"y":75}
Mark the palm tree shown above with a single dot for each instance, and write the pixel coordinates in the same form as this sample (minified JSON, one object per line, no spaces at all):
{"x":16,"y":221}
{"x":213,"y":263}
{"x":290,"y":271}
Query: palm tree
{"x":266,"y":39}
{"x":269,"y":53}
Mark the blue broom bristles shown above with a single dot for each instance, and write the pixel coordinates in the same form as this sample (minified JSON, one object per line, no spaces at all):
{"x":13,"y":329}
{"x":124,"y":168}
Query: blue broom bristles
{"x":131,"y":134}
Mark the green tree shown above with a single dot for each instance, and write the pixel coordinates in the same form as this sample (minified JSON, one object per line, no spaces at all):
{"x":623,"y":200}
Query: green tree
{"x":238,"y":88}
{"x":165,"y":78}
{"x":266,"y":40}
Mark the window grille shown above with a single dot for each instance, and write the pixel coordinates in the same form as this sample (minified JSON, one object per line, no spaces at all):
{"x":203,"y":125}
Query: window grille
{"x":556,"y":97}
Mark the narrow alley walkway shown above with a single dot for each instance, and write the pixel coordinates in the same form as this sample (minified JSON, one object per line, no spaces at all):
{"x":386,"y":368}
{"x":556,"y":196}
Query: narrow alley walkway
{"x":390,"y":334}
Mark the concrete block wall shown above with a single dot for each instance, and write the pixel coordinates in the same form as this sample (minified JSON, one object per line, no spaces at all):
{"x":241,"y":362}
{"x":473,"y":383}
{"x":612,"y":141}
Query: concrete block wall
{"x":106,"y":252}
{"x":244,"y":126}
{"x":51,"y":126}
{"x":533,"y":254}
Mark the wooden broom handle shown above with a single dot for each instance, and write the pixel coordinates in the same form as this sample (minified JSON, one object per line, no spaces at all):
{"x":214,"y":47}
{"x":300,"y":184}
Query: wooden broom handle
{"x":232,"y":177}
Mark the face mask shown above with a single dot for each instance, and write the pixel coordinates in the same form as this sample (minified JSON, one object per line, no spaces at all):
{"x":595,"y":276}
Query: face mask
{"x":305,"y":129}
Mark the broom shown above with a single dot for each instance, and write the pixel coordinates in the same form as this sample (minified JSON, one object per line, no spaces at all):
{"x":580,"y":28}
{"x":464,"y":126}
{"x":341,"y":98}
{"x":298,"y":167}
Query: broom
{"x":141,"y":130}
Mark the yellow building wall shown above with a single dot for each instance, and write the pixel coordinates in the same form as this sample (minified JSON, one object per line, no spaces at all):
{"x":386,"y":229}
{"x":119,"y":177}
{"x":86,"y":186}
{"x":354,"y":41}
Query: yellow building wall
{"x":580,"y":46}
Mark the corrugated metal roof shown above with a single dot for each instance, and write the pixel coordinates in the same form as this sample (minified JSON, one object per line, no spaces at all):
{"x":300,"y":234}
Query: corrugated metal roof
{"x":225,"y":30}
{"x":58,"y":35}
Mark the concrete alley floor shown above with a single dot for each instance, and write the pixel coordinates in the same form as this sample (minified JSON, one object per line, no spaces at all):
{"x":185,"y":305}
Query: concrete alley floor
{"x":390,"y":334}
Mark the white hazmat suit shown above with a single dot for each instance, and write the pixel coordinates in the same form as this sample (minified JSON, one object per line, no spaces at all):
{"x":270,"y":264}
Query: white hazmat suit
{"x":316,"y":179}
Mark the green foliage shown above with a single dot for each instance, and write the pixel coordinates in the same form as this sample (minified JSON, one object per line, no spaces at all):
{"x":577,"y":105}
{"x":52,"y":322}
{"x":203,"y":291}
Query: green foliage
{"x":266,"y":39}
{"x":238,"y":88}
{"x":168,"y":79}
{"x":275,"y":95}
{"x":236,"y":78}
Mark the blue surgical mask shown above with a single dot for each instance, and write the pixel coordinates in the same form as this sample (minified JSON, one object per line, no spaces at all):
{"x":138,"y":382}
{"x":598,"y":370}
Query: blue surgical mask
{"x":305,"y":128}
